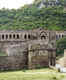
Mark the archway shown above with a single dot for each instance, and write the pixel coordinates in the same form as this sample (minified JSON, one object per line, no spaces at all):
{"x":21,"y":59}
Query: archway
{"x":43,"y":35}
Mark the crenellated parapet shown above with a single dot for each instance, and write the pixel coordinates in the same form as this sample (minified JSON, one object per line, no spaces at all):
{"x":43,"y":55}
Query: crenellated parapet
{"x":27,"y":35}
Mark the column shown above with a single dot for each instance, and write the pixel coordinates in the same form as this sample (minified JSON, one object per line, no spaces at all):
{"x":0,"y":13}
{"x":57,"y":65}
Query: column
{"x":65,"y":58}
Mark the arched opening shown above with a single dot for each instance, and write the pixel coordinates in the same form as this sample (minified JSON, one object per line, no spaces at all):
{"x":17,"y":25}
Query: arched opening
{"x":17,"y":36}
{"x":2,"y":36}
{"x":28,"y":36}
{"x":14,"y":36}
{"x":25,"y":36}
{"x":6,"y":36}
{"x":10,"y":36}
{"x":59,"y":36}
{"x":62,"y":36}
{"x":43,"y":37}
{"x":56,"y":37}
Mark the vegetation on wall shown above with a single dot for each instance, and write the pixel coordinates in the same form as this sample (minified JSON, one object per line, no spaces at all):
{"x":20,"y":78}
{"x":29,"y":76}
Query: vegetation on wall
{"x":3,"y":53}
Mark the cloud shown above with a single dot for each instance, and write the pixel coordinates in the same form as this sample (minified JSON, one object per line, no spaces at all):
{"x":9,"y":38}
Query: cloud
{"x":14,"y":3}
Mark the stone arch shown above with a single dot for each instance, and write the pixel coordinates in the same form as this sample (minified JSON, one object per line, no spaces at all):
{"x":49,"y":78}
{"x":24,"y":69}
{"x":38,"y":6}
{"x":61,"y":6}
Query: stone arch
{"x":13,"y":36}
{"x":62,"y":35}
{"x":59,"y":36}
{"x":29,"y":36}
{"x":10,"y":36}
{"x":3,"y":36}
{"x":17,"y":36}
{"x":6,"y":36}
{"x":43,"y":35}
{"x":25,"y":36}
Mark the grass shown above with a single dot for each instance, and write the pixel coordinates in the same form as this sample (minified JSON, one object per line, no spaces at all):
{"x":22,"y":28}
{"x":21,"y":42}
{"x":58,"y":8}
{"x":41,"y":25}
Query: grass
{"x":39,"y":74}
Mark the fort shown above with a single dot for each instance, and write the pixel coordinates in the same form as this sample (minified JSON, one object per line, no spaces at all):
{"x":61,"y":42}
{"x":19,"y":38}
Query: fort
{"x":28,"y":48}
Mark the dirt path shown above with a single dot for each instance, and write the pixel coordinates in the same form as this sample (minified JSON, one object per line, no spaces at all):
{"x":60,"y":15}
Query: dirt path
{"x":61,"y":61}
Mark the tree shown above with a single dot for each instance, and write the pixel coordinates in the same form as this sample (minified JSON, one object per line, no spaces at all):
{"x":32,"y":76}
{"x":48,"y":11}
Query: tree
{"x":61,"y":45}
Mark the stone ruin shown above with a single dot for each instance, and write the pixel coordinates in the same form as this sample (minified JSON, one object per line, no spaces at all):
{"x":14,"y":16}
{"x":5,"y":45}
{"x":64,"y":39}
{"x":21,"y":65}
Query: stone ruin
{"x":65,"y":58}
{"x":28,"y":48}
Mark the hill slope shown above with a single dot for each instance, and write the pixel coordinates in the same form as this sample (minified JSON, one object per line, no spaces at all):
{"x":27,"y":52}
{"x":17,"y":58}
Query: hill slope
{"x":30,"y":16}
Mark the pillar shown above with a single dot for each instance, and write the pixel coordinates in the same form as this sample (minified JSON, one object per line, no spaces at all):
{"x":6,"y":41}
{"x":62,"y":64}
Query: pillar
{"x":65,"y":58}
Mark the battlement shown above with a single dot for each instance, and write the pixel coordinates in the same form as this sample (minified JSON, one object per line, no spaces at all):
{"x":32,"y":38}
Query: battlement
{"x":26,"y":35}
{"x":22,"y":35}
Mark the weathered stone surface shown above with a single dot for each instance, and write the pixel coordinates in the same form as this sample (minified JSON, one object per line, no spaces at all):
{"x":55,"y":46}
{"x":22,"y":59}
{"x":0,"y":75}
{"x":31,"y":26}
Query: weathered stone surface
{"x":39,"y":57}
{"x":12,"y":62}
{"x":27,"y":48}
{"x":65,"y":58}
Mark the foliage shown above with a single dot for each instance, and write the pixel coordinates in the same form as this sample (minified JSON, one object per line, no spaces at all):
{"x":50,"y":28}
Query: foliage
{"x":30,"y":17}
{"x":61,"y":45}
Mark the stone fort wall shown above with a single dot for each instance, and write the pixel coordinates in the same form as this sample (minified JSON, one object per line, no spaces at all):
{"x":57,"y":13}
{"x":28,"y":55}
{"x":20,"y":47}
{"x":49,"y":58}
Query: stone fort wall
{"x":16,"y":44}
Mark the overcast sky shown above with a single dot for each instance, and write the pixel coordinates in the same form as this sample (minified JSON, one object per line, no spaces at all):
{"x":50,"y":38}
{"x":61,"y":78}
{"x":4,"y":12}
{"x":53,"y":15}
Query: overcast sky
{"x":14,"y":3}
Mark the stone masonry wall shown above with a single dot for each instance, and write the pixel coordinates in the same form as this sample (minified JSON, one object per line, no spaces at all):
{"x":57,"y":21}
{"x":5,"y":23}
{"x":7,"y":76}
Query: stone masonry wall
{"x":37,"y":57}
{"x":65,"y":58}
{"x":12,"y":62}
{"x":17,"y":57}
{"x":27,"y":48}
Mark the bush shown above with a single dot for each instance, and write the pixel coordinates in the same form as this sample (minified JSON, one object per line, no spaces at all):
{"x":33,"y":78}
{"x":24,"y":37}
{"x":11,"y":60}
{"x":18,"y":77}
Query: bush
{"x":61,"y":45}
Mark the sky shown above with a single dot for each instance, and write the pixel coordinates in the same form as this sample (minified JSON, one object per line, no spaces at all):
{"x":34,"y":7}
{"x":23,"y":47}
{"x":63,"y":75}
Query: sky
{"x":14,"y":3}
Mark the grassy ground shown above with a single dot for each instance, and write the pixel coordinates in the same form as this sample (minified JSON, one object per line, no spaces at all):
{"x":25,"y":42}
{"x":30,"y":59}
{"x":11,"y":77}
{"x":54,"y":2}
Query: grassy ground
{"x":39,"y":74}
